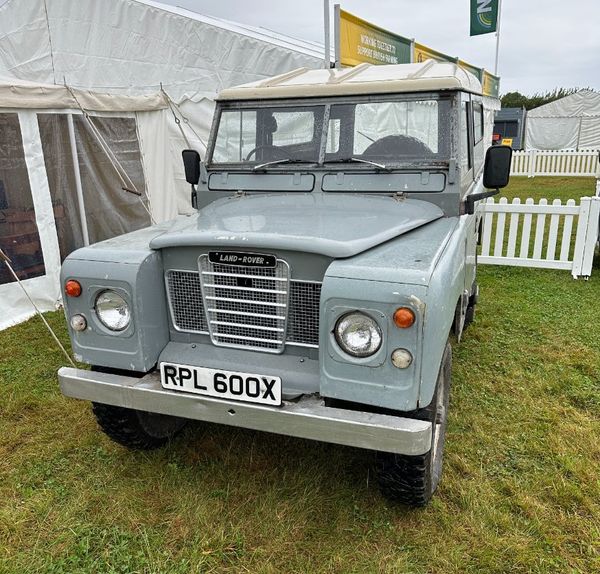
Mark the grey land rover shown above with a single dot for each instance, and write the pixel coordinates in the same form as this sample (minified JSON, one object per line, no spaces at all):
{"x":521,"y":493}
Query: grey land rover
{"x":315,"y":290}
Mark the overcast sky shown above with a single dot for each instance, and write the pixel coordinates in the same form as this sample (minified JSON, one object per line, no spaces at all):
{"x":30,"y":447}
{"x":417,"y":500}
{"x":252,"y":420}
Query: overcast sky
{"x":544,"y":43}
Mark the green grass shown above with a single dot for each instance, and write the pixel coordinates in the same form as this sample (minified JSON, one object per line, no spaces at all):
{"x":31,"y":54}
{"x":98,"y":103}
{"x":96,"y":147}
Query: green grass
{"x":520,"y":491}
{"x":562,"y":188}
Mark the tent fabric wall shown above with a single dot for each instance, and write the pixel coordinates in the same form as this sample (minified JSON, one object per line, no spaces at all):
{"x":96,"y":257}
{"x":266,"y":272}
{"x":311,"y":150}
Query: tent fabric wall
{"x":155,"y":144}
{"x":573,"y":122}
{"x":134,"y":47}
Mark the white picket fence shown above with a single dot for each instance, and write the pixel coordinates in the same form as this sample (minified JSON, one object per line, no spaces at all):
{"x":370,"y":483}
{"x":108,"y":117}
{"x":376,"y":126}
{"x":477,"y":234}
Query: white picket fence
{"x":569,"y":163}
{"x":568,"y":242}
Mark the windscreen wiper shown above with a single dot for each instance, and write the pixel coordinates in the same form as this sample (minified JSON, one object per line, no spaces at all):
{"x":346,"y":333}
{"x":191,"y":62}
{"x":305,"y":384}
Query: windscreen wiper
{"x":358,"y":160}
{"x":281,"y":161}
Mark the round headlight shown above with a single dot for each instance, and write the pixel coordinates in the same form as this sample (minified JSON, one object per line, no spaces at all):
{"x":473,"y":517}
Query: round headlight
{"x":358,"y":335}
{"x":113,"y":311}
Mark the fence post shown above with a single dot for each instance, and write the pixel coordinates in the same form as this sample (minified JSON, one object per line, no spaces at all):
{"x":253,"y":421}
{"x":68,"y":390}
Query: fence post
{"x":531,"y":163}
{"x":580,"y":236}
{"x":591,"y":237}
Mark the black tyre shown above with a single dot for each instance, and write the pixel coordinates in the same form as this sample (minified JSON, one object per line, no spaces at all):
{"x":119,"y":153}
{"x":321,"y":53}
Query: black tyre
{"x":470,"y":311}
{"x":469,"y":316}
{"x":136,"y":430}
{"x":412,"y":480}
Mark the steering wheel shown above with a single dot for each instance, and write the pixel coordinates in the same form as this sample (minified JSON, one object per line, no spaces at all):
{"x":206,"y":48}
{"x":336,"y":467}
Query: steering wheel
{"x":395,"y":145}
{"x":264,"y":146}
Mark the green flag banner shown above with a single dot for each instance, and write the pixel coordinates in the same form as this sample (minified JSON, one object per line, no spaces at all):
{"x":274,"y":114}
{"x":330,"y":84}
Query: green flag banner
{"x":484,"y":16}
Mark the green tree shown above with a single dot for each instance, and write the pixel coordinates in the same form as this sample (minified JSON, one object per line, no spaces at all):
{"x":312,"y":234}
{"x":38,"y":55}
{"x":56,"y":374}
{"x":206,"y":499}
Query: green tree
{"x":518,"y":100}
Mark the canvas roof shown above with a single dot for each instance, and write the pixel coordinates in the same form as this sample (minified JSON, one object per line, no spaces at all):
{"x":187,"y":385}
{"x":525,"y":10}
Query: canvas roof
{"x":362,"y":79}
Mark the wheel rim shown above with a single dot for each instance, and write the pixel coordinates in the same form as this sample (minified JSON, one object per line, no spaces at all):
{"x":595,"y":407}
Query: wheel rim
{"x":439,"y":427}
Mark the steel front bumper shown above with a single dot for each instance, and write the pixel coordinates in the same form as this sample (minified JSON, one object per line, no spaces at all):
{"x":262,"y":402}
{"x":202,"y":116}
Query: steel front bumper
{"x":306,"y":417}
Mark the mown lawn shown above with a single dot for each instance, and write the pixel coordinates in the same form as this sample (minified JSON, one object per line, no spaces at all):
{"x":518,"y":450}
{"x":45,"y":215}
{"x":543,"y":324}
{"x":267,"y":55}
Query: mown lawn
{"x":551,"y":188}
{"x":520,"y":493}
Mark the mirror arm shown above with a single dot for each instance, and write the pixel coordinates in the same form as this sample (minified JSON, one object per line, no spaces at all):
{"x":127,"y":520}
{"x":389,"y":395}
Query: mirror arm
{"x":474,"y":197}
{"x":203,"y":173}
{"x":194,"y":197}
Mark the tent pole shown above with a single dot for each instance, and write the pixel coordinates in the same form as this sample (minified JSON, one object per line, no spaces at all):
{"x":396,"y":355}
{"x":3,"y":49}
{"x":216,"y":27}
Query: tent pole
{"x":498,"y":37}
{"x":327,"y":23}
{"x":337,"y":35}
{"x":78,"y":186}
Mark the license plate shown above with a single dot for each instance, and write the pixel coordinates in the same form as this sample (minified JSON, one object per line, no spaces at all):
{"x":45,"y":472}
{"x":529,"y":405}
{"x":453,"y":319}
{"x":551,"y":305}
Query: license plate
{"x":264,"y":389}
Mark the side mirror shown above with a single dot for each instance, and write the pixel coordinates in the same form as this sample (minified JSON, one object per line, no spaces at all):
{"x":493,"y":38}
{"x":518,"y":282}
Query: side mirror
{"x":496,"y":170}
{"x":191,"y":163}
{"x":496,"y":173}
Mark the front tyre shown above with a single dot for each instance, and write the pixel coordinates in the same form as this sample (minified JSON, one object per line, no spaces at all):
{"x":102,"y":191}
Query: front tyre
{"x":412,"y":480}
{"x":136,"y":430}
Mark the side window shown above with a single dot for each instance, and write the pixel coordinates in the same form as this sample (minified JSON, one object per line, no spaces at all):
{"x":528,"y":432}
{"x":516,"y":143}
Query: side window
{"x":478,"y":122}
{"x":19,"y":237}
{"x":111,"y":212}
{"x":466,"y":153}
{"x":237,"y":136}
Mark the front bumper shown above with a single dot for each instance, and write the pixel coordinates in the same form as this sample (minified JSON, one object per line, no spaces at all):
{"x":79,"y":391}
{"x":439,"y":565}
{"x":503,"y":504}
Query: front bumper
{"x":306,"y":417}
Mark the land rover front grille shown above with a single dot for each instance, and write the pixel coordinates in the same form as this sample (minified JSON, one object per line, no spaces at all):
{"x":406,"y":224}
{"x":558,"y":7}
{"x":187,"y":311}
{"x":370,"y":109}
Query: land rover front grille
{"x":246,"y":305}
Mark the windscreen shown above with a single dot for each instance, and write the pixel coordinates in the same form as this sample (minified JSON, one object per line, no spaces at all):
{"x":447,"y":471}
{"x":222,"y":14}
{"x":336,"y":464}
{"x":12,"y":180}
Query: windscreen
{"x":387,"y":130}
{"x":269,"y":134}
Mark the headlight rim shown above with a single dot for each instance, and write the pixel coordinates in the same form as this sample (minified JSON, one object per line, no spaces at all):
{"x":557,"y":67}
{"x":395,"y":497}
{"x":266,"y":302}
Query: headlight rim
{"x":338,"y":339}
{"x":123,"y":296}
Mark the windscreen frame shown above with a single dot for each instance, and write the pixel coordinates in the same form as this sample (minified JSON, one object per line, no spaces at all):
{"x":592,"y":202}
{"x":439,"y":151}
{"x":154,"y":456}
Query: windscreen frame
{"x":445,"y":142}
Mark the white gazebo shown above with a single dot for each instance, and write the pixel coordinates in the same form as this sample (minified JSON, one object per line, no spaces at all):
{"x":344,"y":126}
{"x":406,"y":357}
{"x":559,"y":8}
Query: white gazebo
{"x":573,"y":122}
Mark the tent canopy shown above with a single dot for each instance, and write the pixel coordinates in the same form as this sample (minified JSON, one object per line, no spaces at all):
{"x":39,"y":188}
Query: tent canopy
{"x":130,"y":46}
{"x":132,"y":65}
{"x":22,"y":94}
{"x":573,"y":122}
{"x":138,"y":46}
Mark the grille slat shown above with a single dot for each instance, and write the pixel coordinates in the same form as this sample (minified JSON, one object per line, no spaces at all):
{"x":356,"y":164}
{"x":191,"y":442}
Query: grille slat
{"x":246,"y":326}
{"x":235,"y":287}
{"x":245,"y":301}
{"x":265,"y":320}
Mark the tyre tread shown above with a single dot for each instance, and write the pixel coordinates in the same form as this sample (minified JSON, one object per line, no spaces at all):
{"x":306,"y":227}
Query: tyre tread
{"x":123,"y":426}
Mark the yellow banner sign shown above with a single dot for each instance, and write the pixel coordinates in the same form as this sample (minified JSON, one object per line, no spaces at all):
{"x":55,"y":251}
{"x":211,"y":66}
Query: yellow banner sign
{"x":423,"y":53}
{"x":361,"y":41}
{"x":491,"y":84}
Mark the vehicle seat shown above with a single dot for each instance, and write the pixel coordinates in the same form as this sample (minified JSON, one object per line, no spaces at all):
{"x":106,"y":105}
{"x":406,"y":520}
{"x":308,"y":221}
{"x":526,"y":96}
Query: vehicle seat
{"x":393,"y":146}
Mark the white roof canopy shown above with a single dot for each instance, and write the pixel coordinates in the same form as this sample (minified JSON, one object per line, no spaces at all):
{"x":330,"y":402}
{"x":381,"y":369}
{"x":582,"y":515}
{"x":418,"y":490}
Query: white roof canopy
{"x":363,"y":79}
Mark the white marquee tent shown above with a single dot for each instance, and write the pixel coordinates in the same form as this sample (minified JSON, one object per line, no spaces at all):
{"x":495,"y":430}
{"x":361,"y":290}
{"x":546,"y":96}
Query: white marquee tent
{"x":102,"y":82}
{"x":62,"y":179}
{"x":573,"y":122}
